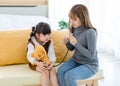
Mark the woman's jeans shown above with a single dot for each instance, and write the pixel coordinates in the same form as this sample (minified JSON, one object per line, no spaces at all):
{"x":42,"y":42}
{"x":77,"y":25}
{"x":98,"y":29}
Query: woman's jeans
{"x":71,"y":71}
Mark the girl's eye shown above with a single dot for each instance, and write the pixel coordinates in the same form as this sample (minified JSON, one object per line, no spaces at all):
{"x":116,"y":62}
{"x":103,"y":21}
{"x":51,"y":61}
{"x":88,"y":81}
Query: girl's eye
{"x":46,"y":34}
{"x":74,"y":19}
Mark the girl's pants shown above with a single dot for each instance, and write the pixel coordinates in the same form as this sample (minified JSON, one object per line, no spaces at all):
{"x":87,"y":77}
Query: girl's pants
{"x":71,"y":71}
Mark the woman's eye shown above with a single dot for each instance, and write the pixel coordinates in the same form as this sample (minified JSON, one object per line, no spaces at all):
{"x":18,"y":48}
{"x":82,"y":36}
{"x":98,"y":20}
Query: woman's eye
{"x":74,"y":19}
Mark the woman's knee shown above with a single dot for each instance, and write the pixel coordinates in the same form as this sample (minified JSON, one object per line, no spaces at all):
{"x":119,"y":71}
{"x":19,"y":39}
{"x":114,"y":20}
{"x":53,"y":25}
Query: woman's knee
{"x":70,"y":80}
{"x":68,"y":76}
{"x":59,"y":70}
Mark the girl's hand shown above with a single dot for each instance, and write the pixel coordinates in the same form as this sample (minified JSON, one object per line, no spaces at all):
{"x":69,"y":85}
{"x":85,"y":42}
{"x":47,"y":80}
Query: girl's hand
{"x":50,"y":66}
{"x":72,"y":39}
{"x":40,"y":66}
{"x":65,"y":40}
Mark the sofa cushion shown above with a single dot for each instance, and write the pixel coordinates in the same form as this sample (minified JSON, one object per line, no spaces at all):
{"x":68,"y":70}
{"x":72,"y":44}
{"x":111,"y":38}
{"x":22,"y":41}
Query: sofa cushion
{"x":13,"y":46}
{"x":60,"y":48}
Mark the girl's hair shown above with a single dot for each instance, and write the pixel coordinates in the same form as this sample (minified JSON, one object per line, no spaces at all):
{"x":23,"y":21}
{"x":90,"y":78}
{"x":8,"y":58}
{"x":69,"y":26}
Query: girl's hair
{"x":81,"y":12}
{"x":41,"y":27}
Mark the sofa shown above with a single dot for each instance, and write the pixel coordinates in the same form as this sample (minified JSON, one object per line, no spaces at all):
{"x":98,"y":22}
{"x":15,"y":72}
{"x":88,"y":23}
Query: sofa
{"x":14,"y":68}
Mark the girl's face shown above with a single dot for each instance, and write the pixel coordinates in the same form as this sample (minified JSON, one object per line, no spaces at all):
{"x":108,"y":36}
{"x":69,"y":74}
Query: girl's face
{"x":75,"y":22}
{"x":43,"y":38}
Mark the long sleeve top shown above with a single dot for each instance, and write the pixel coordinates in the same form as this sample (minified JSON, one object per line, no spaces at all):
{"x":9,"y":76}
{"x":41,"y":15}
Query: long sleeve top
{"x":51,"y":53}
{"x":85,"y":48}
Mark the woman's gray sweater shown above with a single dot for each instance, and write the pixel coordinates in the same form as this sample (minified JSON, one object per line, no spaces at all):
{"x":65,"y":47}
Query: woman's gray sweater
{"x":85,"y":48}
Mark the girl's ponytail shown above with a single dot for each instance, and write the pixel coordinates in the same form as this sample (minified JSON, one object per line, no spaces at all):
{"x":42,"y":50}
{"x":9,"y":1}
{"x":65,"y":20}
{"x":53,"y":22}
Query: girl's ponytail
{"x":32,"y":33}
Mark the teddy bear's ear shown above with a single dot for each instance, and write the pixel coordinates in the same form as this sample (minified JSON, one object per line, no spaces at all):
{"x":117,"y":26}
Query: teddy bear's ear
{"x":44,"y":51}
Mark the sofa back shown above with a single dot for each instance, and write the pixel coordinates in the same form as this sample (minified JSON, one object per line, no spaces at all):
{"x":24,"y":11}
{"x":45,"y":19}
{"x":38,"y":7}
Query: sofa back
{"x":13,"y":46}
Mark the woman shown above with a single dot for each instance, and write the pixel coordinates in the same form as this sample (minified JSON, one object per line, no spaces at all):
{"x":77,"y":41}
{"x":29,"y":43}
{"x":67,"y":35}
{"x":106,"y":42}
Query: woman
{"x":83,"y":37}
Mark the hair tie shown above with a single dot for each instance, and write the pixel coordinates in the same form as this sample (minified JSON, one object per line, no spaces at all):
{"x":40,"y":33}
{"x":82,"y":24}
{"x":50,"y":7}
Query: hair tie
{"x":33,"y":30}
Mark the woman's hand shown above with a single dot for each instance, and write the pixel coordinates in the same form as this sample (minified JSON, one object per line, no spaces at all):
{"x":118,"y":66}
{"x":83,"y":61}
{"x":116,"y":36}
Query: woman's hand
{"x":72,"y":39}
{"x":65,"y":40}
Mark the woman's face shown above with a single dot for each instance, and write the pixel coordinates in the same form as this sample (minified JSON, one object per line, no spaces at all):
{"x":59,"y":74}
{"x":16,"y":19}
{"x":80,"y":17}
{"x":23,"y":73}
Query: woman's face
{"x":43,"y":38}
{"x":75,"y":22}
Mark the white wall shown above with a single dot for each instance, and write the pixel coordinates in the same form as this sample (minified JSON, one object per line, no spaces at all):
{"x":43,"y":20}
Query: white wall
{"x":107,"y":21}
{"x":59,"y":10}
{"x":105,"y":17}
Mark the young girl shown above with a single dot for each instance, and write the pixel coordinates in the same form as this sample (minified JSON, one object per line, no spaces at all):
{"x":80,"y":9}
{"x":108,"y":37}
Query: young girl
{"x":83,"y":37}
{"x":40,"y":35}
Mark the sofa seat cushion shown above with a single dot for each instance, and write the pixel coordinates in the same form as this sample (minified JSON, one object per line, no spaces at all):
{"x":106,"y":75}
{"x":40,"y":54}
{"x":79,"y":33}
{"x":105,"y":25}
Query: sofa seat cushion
{"x":18,"y":75}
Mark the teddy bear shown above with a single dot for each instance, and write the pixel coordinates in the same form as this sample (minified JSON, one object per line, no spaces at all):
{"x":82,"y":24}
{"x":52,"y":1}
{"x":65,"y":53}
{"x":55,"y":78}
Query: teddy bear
{"x":40,"y":55}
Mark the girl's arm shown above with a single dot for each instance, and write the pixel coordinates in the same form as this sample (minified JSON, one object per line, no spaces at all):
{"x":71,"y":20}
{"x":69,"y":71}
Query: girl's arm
{"x":40,"y":65}
{"x":51,"y":53}
{"x":30,"y":50}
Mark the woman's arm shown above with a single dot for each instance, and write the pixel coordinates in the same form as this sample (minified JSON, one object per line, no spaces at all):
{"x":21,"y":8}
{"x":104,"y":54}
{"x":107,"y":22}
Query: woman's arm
{"x":90,"y":51}
{"x":70,"y":46}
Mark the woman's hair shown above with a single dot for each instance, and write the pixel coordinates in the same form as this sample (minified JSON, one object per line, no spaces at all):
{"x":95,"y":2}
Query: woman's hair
{"x":41,"y":27}
{"x":81,"y":12}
